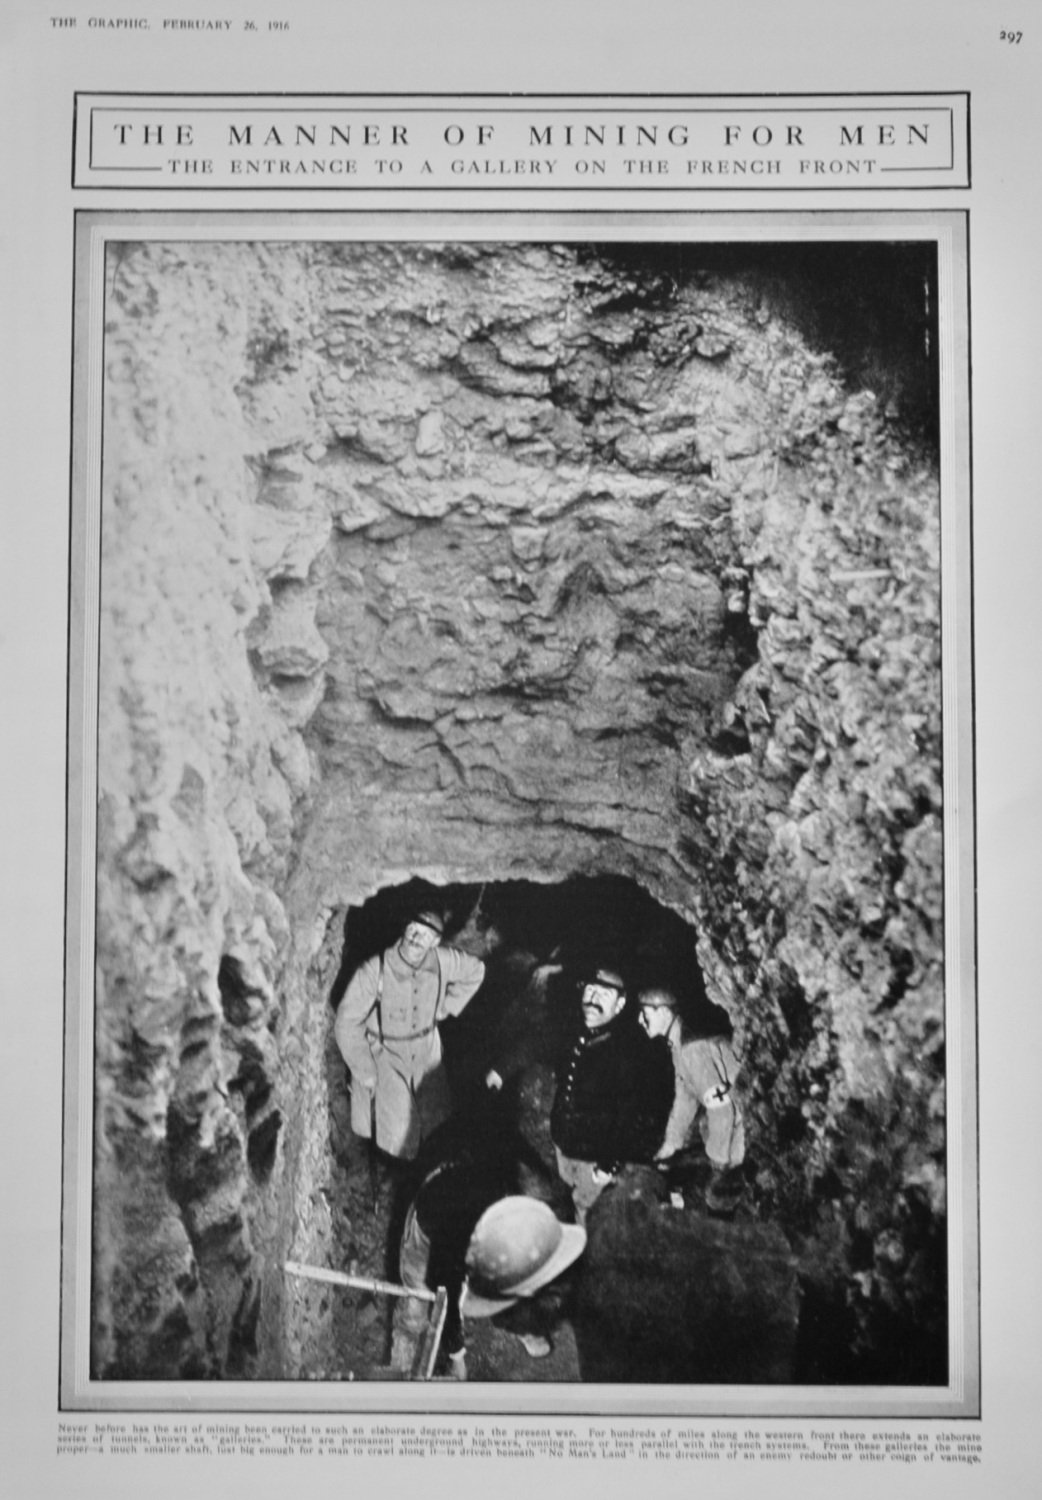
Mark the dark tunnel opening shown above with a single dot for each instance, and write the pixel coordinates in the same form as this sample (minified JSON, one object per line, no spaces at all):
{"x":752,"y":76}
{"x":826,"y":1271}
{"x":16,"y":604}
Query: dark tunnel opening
{"x":874,"y":306}
{"x":539,"y":942}
{"x":581,"y":922}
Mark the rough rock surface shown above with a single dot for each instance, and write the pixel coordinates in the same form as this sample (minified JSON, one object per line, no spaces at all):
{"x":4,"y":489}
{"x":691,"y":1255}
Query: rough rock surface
{"x":669,"y":1294}
{"x":486,"y":563}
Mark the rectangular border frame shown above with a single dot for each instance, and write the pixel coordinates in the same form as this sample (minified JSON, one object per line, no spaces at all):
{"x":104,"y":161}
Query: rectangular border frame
{"x":86,"y":101}
{"x":949,"y":229}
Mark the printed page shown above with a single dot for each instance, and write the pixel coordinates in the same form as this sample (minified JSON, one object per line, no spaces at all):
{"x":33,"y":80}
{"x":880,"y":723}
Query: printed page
{"x":517,"y":576}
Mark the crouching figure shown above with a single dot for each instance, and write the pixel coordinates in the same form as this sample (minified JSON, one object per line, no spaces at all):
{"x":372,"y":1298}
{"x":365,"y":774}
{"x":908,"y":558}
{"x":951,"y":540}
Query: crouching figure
{"x":492,"y":1250}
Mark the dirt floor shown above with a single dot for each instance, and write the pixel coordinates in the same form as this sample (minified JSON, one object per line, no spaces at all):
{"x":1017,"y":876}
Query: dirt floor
{"x":362,"y":1320}
{"x":493,"y":1354}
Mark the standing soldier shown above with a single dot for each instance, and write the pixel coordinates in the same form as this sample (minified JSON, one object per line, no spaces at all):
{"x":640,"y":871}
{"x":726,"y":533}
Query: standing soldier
{"x":705,"y":1069}
{"x":613,"y":1095}
{"x":387,"y":1031}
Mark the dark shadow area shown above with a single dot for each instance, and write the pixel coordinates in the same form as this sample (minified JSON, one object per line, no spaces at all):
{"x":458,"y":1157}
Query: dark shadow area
{"x":873,"y":306}
{"x":580,"y":924}
{"x":668,"y":1293}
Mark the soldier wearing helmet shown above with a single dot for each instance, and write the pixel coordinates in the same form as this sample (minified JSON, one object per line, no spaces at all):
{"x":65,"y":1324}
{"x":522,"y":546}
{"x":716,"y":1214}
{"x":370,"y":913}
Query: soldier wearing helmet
{"x":614,"y":1092}
{"x":469,"y":1230}
{"x":387,"y":1031}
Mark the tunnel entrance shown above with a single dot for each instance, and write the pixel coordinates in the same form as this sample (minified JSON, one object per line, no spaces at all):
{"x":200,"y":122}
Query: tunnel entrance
{"x":656,"y":1260}
{"x":538,"y":942}
{"x":579,"y":922}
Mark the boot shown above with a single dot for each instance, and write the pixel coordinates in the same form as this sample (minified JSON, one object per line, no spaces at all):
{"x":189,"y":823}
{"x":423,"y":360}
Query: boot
{"x":724,"y":1191}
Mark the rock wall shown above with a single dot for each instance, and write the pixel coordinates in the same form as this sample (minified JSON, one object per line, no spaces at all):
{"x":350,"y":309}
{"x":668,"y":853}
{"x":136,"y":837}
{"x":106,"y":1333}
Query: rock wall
{"x":818,"y":835}
{"x":206,"y":678}
{"x":522,"y":599}
{"x":484,"y":563}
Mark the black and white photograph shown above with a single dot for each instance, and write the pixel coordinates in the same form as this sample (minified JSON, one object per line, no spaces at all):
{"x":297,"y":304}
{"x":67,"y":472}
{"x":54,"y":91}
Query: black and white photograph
{"x":519,"y":621}
{"x":526,"y":945}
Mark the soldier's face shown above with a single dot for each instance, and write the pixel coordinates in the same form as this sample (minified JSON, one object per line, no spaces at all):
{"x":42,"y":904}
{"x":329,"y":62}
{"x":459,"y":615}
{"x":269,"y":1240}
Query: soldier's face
{"x":600,"y":1004}
{"x":417,"y":940}
{"x":655,"y":1019}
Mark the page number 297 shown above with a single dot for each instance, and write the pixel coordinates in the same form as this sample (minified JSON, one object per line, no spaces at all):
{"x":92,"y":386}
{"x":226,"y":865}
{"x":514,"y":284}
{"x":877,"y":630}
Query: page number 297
{"x":1011,"y":37}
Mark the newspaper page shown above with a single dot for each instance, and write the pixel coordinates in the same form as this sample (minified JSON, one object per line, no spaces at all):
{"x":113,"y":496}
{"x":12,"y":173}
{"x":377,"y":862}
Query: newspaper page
{"x":519,"y":781}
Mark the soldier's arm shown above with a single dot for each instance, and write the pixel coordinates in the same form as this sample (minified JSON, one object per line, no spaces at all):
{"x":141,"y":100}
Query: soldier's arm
{"x":705,"y":1071}
{"x":725,"y":1131}
{"x":681,"y":1116}
{"x":717,"y":1071}
{"x":350,"y":1025}
{"x":462,"y":974}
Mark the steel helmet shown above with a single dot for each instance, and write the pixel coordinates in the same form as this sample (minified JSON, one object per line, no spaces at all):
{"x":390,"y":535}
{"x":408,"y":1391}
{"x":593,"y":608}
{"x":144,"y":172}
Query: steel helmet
{"x":657,"y":998}
{"x":517,"y":1247}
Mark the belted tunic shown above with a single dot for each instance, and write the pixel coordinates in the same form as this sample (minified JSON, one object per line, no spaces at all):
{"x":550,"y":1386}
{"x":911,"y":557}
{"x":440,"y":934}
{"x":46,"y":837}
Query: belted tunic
{"x":387,"y":1031}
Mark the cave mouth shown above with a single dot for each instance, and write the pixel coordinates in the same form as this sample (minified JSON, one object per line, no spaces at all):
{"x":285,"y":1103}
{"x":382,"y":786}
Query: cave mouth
{"x":580,"y":921}
{"x":577,"y":925}
{"x":538,"y":941}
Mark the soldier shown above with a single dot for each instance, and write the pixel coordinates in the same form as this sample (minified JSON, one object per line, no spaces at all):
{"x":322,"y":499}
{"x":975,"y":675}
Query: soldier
{"x":705,"y":1070}
{"x":613,"y":1096}
{"x":387,"y":1031}
{"x":491,"y":1247}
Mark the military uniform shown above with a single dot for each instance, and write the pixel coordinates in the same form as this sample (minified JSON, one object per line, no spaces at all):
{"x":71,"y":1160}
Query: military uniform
{"x":470,"y":1166}
{"x":614,"y":1092}
{"x":706,"y":1069}
{"x":387,"y":1031}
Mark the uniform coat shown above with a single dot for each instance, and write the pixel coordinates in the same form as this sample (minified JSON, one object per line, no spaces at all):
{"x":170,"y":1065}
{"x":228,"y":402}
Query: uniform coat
{"x":705,"y":1071}
{"x":387,"y":1031}
{"x":614,"y":1091}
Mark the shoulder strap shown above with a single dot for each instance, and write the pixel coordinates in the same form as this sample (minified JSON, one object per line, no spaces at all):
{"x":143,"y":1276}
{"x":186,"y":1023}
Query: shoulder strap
{"x":441,"y":986}
{"x":377,"y":1006}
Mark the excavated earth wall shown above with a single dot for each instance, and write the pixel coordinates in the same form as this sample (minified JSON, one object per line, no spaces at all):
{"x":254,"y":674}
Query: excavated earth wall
{"x":488,"y":563}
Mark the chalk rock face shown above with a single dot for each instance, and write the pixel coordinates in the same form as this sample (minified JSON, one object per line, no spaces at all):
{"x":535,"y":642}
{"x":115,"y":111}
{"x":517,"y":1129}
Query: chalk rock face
{"x":487,"y":562}
{"x":208,"y":645}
